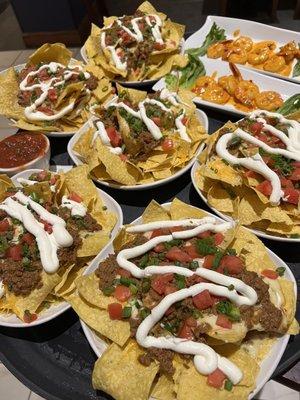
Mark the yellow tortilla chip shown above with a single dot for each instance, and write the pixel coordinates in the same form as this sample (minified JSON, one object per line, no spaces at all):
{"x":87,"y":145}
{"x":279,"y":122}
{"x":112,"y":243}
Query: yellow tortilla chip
{"x":56,"y":52}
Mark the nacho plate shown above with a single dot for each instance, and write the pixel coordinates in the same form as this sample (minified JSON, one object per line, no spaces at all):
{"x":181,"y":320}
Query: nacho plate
{"x":58,"y":308}
{"x":136,"y":49}
{"x":270,"y":357}
{"x":239,"y":192}
{"x":66,"y":105}
{"x":154,"y":167}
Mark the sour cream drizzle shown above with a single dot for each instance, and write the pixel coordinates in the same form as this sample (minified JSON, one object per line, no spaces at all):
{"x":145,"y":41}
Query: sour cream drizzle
{"x":206,"y":360}
{"x":141,"y":114}
{"x":256,"y":162}
{"x":44,"y":86}
{"x":137,"y":35}
{"x":102,"y":134}
{"x":75,"y":207}
{"x":48,"y":244}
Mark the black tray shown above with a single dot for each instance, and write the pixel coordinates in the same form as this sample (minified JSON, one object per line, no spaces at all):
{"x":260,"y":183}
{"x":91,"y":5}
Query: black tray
{"x":55,"y":359}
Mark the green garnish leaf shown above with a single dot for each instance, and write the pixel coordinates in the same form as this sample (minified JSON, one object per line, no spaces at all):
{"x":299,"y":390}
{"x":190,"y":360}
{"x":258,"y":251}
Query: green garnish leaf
{"x":215,"y":34}
{"x":217,"y":259}
{"x":292,"y":104}
{"x":187,"y":75}
{"x":126,"y":312}
{"x":280,"y":271}
{"x":227,"y":308}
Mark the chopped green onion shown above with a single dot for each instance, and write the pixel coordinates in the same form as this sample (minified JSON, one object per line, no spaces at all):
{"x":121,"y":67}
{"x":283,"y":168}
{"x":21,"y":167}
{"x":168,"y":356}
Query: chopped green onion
{"x":216,"y":261}
{"x":126,"y":312}
{"x":144,"y":312}
{"x":193,"y":265}
{"x":146,"y":285}
{"x":107,"y":291}
{"x":231,"y":287}
{"x":280,"y":271}
{"x":228,"y":385}
{"x":180,"y":281}
{"x":133,"y":289}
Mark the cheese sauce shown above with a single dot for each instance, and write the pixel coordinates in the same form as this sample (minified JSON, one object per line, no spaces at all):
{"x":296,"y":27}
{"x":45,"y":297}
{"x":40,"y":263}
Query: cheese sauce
{"x":206,"y":360}
{"x":256,"y":162}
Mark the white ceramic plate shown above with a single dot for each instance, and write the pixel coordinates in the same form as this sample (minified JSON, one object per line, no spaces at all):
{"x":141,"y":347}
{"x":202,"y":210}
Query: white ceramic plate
{"x":51,"y":134}
{"x":76,"y":159}
{"x":12,"y":320}
{"x":269,"y":364}
{"x":132,"y":84}
{"x":264,"y":82}
{"x":255,"y":30}
{"x":228,"y":218}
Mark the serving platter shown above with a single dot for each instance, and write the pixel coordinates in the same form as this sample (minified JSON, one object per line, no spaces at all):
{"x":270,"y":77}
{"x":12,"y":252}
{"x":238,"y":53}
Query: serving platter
{"x":264,"y":82}
{"x":255,"y":30}
{"x":269,"y":364}
{"x":89,"y":124}
{"x":54,"y":311}
{"x":57,"y":134}
{"x":228,"y":218}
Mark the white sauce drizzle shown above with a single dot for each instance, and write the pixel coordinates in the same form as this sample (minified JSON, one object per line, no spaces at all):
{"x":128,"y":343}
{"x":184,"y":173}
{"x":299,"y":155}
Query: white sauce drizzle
{"x":48,"y":244}
{"x":256,"y":162}
{"x":75,"y":207}
{"x":2,"y":290}
{"x":26,"y":181}
{"x":206,"y":360}
{"x":30,"y":111}
{"x":102,"y":134}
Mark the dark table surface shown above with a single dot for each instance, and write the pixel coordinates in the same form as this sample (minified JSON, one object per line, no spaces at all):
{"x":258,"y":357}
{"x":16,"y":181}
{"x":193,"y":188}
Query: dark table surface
{"x":54,"y":359}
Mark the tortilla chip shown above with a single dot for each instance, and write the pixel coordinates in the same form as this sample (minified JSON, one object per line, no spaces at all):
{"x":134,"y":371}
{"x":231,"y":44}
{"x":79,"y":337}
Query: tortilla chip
{"x":155,"y":212}
{"x":119,"y":373}
{"x":181,"y":210}
{"x":56,"y":52}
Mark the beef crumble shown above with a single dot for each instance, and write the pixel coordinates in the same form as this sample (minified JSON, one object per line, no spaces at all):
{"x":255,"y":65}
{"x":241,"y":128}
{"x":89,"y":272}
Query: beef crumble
{"x":164,"y":357}
{"x":107,"y":271}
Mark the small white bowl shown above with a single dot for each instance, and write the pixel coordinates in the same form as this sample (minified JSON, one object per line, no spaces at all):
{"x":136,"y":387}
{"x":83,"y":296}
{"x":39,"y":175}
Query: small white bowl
{"x":40,"y":162}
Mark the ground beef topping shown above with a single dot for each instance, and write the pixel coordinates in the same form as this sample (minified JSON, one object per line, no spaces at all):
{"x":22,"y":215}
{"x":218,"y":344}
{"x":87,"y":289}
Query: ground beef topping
{"x":164,"y":357}
{"x":107,"y":271}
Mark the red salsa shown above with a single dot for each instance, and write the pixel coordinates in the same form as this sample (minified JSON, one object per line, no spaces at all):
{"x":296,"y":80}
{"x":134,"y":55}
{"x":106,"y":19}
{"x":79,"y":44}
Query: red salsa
{"x":21,"y":148}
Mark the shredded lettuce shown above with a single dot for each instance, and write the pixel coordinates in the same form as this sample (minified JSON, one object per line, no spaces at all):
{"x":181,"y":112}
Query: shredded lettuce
{"x":187,"y":75}
{"x":291,"y":105}
{"x":214,"y":35}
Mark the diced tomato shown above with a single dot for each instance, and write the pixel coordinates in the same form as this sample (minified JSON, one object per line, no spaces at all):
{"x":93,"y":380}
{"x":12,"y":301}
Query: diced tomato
{"x":126,"y":38}
{"x":115,"y":311}
{"x":176,"y":254}
{"x":270,"y":273}
{"x":52,"y":94}
{"x":156,"y":120}
{"x":42,"y":176}
{"x":203,"y":300}
{"x":159,"y":248}
{"x":53,"y":180}
{"x":167,"y":145}
{"x":192,"y":280}
{"x":252,"y":174}
{"x":256,"y":127}
{"x":286,"y":183}
{"x":218,"y":238}
{"x":75,"y":197}
{"x":170,"y":289}
{"x":114,"y":136}
{"x":233,"y":264}
{"x":265,"y":188}
{"x":291,"y":195}
{"x":224,"y":321}
{"x":159,"y":46}
{"x":28,"y":238}
{"x":204,"y":234}
{"x":208,"y":261}
{"x":191,"y":250}
{"x":4,"y":225}
{"x":124,"y":273}
{"x":216,"y":379}
{"x":263,"y":138}
{"x":186,"y":332}
{"x":46,"y":110}
{"x":28,"y":317}
{"x":48,"y":227}
{"x":269,"y":161}
{"x":295,"y":175}
{"x":184,"y":120}
{"x":177,"y":229}
{"x":160,"y":282}
{"x":43,"y":74}
{"x":15,"y":252}
{"x":159,"y":232}
{"x":123,"y":157}
{"x":192,"y":322}
{"x":122,"y":293}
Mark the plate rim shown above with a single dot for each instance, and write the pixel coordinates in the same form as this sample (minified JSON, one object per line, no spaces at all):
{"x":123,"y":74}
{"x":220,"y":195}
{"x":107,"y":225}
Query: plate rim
{"x":282,"y":341}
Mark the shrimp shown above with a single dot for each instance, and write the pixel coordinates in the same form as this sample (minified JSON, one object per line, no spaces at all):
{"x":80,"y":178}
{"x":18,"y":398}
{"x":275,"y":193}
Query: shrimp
{"x":269,"y":100}
{"x":228,"y":83}
{"x":274,"y":64}
{"x":243,"y":42}
{"x":203,"y":83}
{"x":216,"y":50}
{"x":246,"y":92}
{"x":261,"y":52}
{"x":236,"y":55}
{"x":215,"y":94}
{"x":289,"y":51}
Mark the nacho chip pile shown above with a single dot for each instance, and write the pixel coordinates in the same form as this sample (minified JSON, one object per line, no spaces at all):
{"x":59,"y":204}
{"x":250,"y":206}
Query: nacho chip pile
{"x":70,"y":92}
{"x":232,"y":191}
{"x":118,"y":371}
{"x":146,"y":57}
{"x":53,"y":285}
{"x":143,"y":159}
